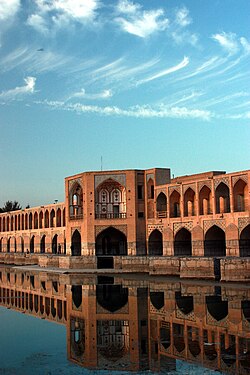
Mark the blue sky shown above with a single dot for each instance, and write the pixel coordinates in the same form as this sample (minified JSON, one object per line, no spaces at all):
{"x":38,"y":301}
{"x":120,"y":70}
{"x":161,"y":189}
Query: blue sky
{"x":142,"y":84}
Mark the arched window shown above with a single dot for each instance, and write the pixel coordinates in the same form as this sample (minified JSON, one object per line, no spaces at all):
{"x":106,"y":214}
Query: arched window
{"x":52,"y":218}
{"x":76,"y":202}
{"x":110,"y":200}
{"x":205,"y":204}
{"x":58,"y":217}
{"x":189,"y":202}
{"x":46,"y":219}
{"x":222,"y":198}
{"x":240,"y":194}
{"x":104,"y":196}
{"x":161,"y":205}
{"x":35,"y":220}
{"x":30,"y":220}
{"x":175,"y":204}
{"x":41,"y":220}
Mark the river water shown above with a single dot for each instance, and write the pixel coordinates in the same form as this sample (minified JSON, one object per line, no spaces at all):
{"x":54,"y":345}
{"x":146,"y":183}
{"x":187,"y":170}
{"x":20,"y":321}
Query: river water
{"x":60,"y":323}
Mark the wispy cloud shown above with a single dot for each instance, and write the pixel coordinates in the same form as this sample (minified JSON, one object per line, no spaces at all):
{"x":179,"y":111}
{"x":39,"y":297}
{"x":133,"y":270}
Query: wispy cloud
{"x":231,"y":42}
{"x":182,"y":17}
{"x":165,"y":72}
{"x":142,"y":23}
{"x":28,"y":88}
{"x":105,"y":94}
{"x":145,"y":111}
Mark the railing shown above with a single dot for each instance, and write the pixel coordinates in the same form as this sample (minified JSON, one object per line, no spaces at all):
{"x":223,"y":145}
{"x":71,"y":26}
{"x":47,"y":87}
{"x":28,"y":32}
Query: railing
{"x":161,"y":214}
{"x":111,"y":215}
{"x":75,"y":212}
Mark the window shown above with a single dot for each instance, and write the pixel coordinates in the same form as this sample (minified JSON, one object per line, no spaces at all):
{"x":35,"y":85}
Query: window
{"x":140,"y":192}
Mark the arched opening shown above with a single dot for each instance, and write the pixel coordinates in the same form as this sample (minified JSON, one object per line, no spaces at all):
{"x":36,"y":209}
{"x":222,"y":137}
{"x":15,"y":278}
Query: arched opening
{"x":76,"y":202}
{"x":240,"y":194}
{"x":244,"y":242}
{"x":1,"y":244}
{"x":215,"y":243}
{"x":8,"y":224}
{"x":58,"y":217}
{"x":157,"y":299}
{"x":161,"y":205}
{"x":32,"y":244}
{"x":12,"y":223}
{"x":36,"y":220}
{"x":8,"y":245}
{"x":110,"y":200}
{"x":54,"y":244}
{"x":30,"y":220}
{"x":217,"y":308}
{"x":42,"y":244}
{"x":41,"y":220}
{"x":76,"y":243}
{"x":222,"y":198}
{"x":111,"y":297}
{"x":183,"y":243}
{"x":205,"y":204}
{"x":52,"y":218}
{"x":245,"y":306}
{"x":179,"y":341}
{"x":46,"y":224}
{"x":111,"y":242}
{"x":150,"y":198}
{"x":174,"y":204}
{"x":155,"y":243}
{"x":193,"y":341}
{"x":189,"y":202}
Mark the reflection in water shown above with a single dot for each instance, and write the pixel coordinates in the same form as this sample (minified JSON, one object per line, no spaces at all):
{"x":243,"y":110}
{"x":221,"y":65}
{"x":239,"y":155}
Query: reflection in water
{"x":136,"y":324}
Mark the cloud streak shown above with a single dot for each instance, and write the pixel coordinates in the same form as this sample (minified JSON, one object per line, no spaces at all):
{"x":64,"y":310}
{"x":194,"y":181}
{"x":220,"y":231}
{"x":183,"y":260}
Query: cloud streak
{"x":165,"y":72}
{"x":105,"y":94}
{"x":28,"y":88}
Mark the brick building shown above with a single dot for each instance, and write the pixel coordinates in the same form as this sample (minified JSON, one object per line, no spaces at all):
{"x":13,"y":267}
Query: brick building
{"x":108,"y":216}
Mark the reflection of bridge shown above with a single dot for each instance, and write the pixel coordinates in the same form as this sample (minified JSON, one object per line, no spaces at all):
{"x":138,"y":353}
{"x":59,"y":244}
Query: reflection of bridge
{"x":134,"y":324}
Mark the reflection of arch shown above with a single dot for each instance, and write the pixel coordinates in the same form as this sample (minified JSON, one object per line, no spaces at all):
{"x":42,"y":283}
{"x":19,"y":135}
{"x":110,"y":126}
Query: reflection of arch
{"x":179,"y":341}
{"x":165,"y":336}
{"x":111,"y":242}
{"x":42,"y":244}
{"x":222,"y":198}
{"x":184,"y":303}
{"x":215,"y":243}
{"x":77,"y":337}
{"x":76,"y":243}
{"x":217,"y":308}
{"x":174,"y":200}
{"x":189,"y":202}
{"x":193,"y":341}
{"x":77,"y":295}
{"x":111,"y":297}
{"x":157,"y":299}
{"x":155,"y":243}
{"x":183,"y":243}
{"x":245,"y":306}
{"x":240,"y":194}
{"x":244,"y":242}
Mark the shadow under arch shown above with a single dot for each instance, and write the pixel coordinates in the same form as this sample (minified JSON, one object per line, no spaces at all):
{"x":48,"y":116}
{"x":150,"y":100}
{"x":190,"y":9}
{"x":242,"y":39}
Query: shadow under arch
{"x":111,"y":297}
{"x":76,"y":291}
{"x":183,"y":243}
{"x":76,"y":243}
{"x":244,"y":242}
{"x":155,"y":243}
{"x":111,"y":241}
{"x":215,"y":242}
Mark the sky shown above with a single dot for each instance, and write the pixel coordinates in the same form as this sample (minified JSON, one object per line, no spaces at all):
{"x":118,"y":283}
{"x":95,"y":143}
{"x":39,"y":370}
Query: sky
{"x":120,"y":84}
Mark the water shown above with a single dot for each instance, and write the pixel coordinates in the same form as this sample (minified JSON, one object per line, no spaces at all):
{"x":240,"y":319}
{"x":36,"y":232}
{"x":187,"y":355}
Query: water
{"x":81,"y":324}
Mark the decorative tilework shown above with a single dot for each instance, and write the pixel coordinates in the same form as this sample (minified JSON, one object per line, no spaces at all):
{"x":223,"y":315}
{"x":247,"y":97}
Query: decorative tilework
{"x":243,"y":222}
{"x":150,"y":175}
{"x":177,"y":226}
{"x":172,"y":188}
{"x":217,"y":181}
{"x":207,"y":224}
{"x":75,"y":181}
{"x":121,"y":178}
{"x":205,"y":183}
{"x":153,"y":227}
{"x":240,"y":177}
{"x":191,"y":186}
{"x":100,"y":228}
